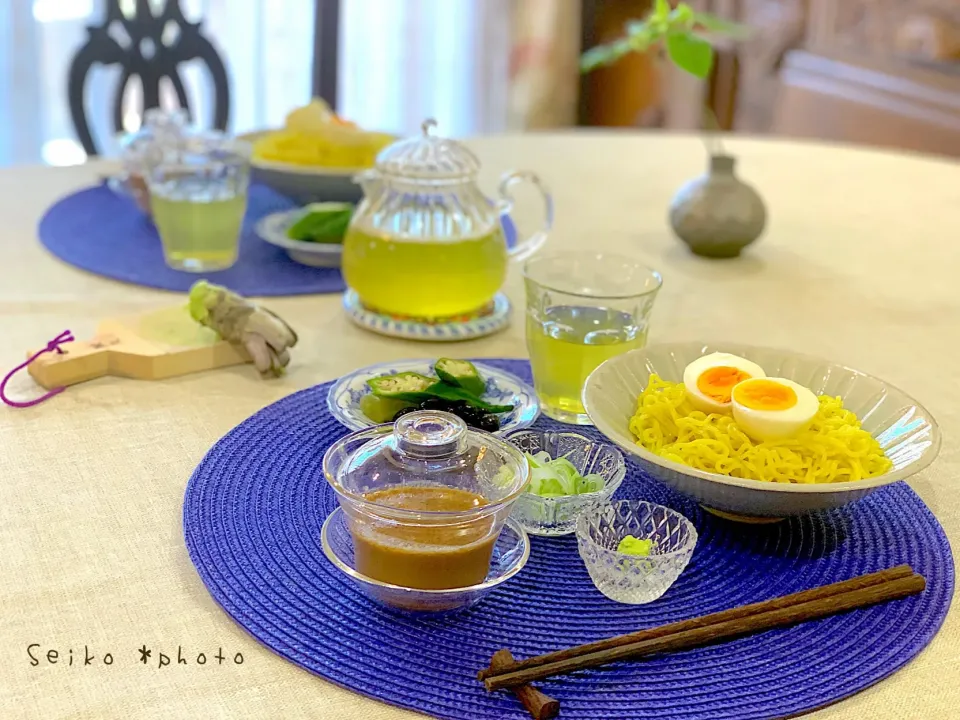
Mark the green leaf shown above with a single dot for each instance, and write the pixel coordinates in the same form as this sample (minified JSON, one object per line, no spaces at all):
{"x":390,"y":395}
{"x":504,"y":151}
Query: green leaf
{"x":660,"y":10}
{"x":720,"y":26}
{"x":323,"y":222}
{"x":682,"y":17}
{"x":690,"y":53}
{"x":602,"y":55}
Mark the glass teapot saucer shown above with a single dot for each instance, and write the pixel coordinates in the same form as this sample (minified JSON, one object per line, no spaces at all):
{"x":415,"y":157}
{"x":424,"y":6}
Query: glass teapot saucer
{"x":490,"y":319}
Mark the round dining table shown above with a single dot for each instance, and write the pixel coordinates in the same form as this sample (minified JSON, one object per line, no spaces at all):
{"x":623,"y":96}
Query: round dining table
{"x":860,"y":264}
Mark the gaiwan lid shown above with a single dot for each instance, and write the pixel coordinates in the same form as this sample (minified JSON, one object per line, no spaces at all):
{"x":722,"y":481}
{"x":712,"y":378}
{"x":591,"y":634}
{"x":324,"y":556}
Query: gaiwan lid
{"x":432,"y":448}
{"x":428,"y":157}
{"x":159,"y":129}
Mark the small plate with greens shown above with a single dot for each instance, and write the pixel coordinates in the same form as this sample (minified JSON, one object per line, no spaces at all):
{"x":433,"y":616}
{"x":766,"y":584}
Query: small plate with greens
{"x":485,"y":397}
{"x":569,"y":473}
{"x":311,"y":235}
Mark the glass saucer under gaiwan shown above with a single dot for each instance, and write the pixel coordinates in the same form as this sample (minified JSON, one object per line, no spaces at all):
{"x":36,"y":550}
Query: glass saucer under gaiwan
{"x":425,"y":501}
{"x":510,"y":554}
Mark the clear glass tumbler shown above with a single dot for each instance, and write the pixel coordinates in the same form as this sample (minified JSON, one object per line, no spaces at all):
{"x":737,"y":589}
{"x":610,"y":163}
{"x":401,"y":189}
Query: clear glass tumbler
{"x":582,"y":309}
{"x":198,"y":194}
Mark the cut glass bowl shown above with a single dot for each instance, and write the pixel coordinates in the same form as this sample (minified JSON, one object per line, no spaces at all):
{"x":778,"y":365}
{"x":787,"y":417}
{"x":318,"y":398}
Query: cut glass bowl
{"x":634,"y":579}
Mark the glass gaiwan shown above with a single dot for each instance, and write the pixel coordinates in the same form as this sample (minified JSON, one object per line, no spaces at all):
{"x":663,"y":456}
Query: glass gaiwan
{"x":160,"y":129}
{"x":425,"y":242}
{"x":425,"y":500}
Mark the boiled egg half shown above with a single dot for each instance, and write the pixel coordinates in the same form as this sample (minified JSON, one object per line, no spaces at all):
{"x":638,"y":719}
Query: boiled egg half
{"x":710,"y":379}
{"x":773,"y":408}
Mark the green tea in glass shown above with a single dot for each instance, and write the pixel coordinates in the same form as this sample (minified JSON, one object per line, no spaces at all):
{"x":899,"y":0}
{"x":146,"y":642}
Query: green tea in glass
{"x":582,"y":309}
{"x":198,"y":196}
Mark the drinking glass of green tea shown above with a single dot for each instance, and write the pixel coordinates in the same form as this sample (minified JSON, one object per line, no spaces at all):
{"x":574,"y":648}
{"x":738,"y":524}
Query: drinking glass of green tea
{"x":198,"y":194}
{"x":582,"y":308}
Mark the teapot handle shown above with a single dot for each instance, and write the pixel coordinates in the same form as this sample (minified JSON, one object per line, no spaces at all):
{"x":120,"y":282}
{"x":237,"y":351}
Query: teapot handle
{"x":524,"y":249}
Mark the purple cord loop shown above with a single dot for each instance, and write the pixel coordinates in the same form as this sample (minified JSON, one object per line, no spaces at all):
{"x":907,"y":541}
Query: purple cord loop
{"x":52,"y":346}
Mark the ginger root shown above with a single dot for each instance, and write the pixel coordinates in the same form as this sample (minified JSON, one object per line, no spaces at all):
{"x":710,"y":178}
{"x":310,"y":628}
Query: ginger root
{"x":265,"y":335}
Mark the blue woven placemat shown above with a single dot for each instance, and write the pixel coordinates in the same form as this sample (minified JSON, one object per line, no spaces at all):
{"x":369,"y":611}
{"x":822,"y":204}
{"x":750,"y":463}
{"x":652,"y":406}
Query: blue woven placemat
{"x":104,"y":233}
{"x":252,"y":516}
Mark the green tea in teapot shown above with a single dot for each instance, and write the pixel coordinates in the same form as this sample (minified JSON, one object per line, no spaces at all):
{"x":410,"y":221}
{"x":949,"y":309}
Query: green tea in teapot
{"x":426,"y":242}
{"x":426,"y":278}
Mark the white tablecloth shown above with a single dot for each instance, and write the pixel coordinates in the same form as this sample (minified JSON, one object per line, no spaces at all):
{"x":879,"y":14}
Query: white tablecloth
{"x":860,"y":264}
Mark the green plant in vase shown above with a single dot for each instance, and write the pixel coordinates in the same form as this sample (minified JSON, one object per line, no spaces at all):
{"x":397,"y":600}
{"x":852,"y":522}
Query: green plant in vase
{"x":717,"y":214}
{"x":682,"y":31}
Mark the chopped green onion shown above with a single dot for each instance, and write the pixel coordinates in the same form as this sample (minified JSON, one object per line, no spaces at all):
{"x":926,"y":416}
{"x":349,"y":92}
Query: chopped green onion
{"x":559,"y":478}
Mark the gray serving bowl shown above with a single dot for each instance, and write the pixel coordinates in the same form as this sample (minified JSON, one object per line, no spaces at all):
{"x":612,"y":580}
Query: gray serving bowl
{"x":906,"y":430}
{"x":304,"y":184}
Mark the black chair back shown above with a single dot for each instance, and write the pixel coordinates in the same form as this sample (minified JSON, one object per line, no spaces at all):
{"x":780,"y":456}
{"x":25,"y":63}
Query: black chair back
{"x":151,"y":47}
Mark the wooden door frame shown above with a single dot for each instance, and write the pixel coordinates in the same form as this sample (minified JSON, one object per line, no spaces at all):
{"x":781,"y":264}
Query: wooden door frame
{"x":326,"y":50}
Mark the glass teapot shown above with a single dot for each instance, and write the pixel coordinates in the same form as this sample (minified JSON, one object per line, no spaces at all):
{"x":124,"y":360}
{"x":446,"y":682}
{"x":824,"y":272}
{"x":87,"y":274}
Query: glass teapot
{"x":425,"y":242}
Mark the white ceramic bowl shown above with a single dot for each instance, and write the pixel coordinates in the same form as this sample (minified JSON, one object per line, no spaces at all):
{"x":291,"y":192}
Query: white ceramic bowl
{"x":273,"y":229}
{"x":905,"y":429}
{"x":305,"y":183}
{"x":503,"y":388}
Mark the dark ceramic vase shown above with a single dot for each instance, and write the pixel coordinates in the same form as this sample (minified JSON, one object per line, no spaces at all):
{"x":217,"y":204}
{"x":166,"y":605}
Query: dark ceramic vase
{"x":717,"y":214}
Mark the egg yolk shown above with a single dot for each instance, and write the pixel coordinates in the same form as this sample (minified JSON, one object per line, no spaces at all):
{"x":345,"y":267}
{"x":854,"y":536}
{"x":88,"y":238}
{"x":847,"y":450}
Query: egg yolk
{"x":766,"y":395}
{"x":717,"y":382}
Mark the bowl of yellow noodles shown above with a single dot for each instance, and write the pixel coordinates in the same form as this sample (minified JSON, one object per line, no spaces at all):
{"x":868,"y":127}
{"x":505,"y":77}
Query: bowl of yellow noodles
{"x":315,"y":156}
{"x":859,"y":434}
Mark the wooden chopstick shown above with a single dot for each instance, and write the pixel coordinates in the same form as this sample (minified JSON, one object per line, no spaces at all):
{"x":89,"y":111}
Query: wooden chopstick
{"x":733,"y":623}
{"x":823,"y":591}
{"x":539,"y":705}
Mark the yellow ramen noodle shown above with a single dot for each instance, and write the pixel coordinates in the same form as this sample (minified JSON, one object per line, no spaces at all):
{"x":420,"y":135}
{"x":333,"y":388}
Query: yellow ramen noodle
{"x":833,"y":449}
{"x":336,"y":148}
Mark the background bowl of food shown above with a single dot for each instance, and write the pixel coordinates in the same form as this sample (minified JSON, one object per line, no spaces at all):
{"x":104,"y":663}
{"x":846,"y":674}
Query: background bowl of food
{"x":758,"y":434}
{"x":315,"y":156}
{"x":311,"y":235}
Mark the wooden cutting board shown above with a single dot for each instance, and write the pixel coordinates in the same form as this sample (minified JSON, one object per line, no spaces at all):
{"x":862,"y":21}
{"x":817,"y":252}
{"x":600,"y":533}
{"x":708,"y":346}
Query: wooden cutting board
{"x":153,"y":346}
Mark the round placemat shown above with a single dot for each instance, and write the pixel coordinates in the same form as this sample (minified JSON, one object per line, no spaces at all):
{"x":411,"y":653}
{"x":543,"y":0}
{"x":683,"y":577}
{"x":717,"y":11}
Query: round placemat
{"x":105,"y":233}
{"x":252,"y":516}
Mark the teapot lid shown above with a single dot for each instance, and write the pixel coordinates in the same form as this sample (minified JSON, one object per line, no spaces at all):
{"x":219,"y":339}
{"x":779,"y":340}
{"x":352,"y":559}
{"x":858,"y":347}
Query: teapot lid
{"x":427,"y":157}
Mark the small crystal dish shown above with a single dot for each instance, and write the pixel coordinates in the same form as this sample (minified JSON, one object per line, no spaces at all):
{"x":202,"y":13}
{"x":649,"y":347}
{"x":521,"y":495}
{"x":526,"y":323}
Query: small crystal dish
{"x":510,"y":554}
{"x":634,"y":579}
{"x":558,"y":516}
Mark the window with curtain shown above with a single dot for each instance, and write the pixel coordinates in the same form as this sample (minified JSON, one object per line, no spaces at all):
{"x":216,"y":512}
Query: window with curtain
{"x":400,"y":62}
